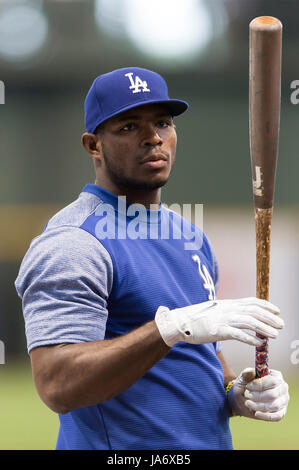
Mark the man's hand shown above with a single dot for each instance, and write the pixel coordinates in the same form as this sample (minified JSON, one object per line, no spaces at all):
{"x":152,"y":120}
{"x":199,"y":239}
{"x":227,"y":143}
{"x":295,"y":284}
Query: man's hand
{"x":219,"y":320}
{"x":265,"y":398}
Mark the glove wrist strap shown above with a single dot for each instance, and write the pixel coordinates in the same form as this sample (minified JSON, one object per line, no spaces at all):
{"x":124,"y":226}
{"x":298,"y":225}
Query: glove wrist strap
{"x":167,"y":327}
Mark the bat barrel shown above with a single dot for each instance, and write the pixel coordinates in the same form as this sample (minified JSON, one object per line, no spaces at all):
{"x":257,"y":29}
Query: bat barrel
{"x":264,"y":105}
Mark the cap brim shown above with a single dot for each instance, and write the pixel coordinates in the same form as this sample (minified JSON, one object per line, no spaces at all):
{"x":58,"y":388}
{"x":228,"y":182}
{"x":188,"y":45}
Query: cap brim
{"x":176,"y":107}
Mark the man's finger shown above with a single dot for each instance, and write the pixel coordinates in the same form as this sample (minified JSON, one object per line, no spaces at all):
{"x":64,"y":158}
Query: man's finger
{"x":267,"y":382}
{"x":264,"y":316}
{"x":228,"y":332}
{"x":273,"y":417}
{"x":250,"y":323}
{"x":268,"y":407}
{"x":255,"y":302}
{"x":268,"y":394}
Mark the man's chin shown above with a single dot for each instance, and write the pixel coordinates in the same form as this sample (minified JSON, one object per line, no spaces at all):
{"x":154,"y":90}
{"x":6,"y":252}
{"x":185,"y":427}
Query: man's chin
{"x":126,"y":183}
{"x":151,"y":185}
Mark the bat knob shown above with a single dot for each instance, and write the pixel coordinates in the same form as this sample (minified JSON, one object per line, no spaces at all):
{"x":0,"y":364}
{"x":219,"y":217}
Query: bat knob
{"x":265,"y":23}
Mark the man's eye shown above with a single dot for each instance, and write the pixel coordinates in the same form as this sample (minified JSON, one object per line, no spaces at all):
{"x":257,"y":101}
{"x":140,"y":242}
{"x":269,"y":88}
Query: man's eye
{"x":164,"y":123}
{"x":128,"y":127}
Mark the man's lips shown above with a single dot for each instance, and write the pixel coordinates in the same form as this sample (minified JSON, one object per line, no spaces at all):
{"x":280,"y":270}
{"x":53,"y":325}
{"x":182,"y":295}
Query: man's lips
{"x":157,"y":157}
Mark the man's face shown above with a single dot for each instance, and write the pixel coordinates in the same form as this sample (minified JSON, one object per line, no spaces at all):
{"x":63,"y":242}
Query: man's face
{"x":138,"y":147}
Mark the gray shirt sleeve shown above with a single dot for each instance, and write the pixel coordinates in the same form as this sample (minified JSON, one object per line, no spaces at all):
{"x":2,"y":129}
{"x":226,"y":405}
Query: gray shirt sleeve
{"x":64,"y":282}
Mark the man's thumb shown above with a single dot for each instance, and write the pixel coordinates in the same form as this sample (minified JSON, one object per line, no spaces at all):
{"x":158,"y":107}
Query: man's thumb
{"x":247,"y":375}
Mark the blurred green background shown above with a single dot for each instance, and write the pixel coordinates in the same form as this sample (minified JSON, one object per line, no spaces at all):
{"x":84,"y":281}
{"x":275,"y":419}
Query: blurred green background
{"x":29,"y":424}
{"x":50,"y":52}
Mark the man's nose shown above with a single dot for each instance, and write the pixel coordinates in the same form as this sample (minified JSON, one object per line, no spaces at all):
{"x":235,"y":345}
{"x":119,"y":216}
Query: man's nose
{"x":151,"y":138}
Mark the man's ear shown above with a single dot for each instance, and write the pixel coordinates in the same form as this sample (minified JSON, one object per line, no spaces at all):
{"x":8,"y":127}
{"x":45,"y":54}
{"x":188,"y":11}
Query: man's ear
{"x":92,"y":144}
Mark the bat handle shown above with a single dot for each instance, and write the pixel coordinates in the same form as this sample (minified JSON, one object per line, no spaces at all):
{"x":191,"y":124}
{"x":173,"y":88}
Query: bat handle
{"x":263,"y":221}
{"x":261,"y":358}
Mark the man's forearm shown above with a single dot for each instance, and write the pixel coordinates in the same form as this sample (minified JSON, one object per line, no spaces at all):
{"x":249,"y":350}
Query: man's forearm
{"x":228,"y":373}
{"x":72,"y":376}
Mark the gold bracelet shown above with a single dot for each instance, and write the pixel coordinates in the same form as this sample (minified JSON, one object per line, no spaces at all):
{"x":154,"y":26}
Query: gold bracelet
{"x":227,"y":389}
{"x":229,"y":385}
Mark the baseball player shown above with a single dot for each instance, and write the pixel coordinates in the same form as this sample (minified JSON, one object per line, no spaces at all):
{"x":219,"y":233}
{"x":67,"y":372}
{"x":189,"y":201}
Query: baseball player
{"x":123,"y":327}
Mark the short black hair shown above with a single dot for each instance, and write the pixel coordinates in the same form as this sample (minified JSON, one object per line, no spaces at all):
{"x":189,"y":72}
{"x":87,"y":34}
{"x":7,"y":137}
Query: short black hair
{"x":99,"y":129}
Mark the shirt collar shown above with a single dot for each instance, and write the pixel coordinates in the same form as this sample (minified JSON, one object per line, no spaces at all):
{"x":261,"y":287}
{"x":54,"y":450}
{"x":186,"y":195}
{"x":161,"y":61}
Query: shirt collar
{"x":122,"y":206}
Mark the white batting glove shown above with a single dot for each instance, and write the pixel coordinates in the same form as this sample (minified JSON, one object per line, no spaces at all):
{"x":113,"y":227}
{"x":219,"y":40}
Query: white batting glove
{"x":265,"y":398}
{"x":219,"y":320}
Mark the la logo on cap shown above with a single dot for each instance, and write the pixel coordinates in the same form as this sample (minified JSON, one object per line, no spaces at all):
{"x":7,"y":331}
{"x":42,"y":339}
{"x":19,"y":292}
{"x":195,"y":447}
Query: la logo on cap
{"x":138,"y":85}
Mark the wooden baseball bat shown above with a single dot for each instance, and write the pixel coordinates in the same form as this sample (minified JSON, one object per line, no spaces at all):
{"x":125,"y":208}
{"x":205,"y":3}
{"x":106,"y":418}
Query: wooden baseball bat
{"x":265,"y":38}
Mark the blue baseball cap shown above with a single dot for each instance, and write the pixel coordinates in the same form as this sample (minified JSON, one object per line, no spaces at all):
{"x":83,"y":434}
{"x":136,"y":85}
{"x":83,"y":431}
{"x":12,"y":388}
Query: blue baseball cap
{"x":122,"y":89}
